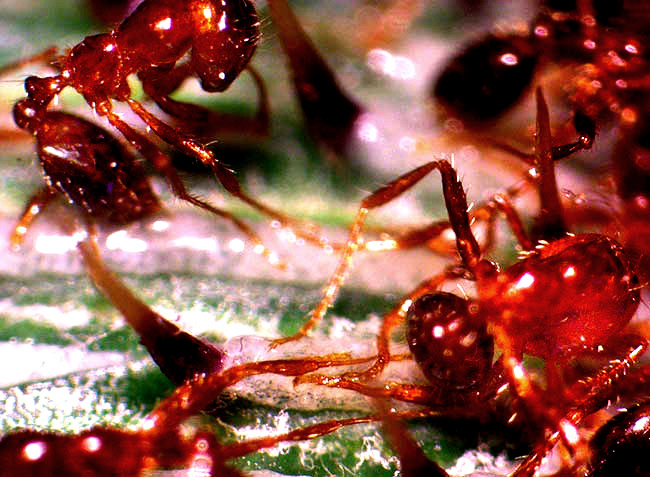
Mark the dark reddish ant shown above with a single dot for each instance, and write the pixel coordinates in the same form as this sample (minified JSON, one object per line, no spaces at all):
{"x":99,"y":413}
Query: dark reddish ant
{"x":329,"y":112}
{"x":570,"y":296}
{"x":220,"y":38}
{"x":601,"y":48}
{"x":95,"y":171}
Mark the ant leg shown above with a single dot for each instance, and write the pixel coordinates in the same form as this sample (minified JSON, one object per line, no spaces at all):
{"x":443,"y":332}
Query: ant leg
{"x":451,"y":403}
{"x":197,"y":394}
{"x":378,"y":198}
{"x":44,"y":56}
{"x":329,"y":113}
{"x":503,"y":204}
{"x":584,"y":126}
{"x":456,"y":202}
{"x":37,"y":203}
{"x":179,"y":355}
{"x":483,"y":212}
{"x":159,"y":83}
{"x":586,"y":129}
{"x":601,"y":389}
{"x":391,"y":320}
{"x":411,"y":239}
{"x":407,"y":392}
{"x":162,"y":164}
{"x":313,"y":431}
{"x":225,"y":176}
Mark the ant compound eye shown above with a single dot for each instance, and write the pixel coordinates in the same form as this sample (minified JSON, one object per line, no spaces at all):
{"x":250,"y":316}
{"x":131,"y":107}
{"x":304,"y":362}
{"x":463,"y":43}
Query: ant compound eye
{"x":448,"y":340}
{"x":486,"y":79}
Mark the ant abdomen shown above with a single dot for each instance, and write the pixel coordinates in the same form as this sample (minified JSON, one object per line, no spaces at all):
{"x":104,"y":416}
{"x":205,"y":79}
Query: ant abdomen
{"x":449,"y":341}
{"x":93,"y":170}
{"x":487,"y":78}
{"x":619,"y":446}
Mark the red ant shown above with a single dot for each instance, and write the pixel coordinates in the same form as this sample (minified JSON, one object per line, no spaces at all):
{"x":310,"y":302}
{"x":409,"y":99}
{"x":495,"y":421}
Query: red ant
{"x":601,"y":47}
{"x":468,"y":339}
{"x":452,"y":273}
{"x":85,"y":163}
{"x":569,"y":296}
{"x":328,"y":111}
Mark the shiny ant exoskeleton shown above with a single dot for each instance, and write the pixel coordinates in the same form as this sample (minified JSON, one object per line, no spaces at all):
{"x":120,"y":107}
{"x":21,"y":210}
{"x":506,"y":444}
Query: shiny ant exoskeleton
{"x":617,"y":445}
{"x":600,"y":50}
{"x":589,"y":268}
{"x":472,"y":380}
{"x":452,"y":339}
{"x":328,"y":110}
{"x":219,"y":37}
{"x":569,"y":296}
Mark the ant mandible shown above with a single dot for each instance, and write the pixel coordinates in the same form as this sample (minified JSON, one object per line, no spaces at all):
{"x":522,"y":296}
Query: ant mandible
{"x":220,"y":36}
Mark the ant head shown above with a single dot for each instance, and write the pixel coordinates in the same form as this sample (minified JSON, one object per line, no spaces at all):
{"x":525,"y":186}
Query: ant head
{"x":449,"y":341}
{"x":486,"y":78}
